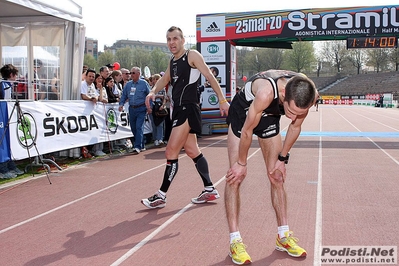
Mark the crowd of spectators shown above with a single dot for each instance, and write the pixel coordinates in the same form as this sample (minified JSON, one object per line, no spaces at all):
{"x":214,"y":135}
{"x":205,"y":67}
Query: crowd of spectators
{"x":122,"y":86}
{"x":105,"y":86}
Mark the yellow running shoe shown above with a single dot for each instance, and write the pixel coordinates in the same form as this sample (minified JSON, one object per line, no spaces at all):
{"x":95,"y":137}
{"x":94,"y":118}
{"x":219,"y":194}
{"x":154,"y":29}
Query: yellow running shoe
{"x":238,"y":253}
{"x":288,"y":244}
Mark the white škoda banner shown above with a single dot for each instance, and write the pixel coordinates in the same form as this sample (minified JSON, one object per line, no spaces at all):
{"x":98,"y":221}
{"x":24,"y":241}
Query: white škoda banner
{"x":59,"y":125}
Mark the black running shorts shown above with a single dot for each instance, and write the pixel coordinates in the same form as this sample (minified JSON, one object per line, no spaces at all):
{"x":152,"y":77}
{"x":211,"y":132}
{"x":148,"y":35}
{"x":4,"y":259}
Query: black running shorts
{"x":192,"y":112}
{"x":269,"y":125}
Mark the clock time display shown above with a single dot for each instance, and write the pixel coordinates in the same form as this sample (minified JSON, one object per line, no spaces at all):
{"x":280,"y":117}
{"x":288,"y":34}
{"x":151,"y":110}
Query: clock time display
{"x":372,"y":42}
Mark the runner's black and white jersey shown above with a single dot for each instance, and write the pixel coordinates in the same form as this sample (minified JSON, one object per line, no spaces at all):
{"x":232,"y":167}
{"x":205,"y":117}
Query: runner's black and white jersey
{"x":245,"y":96}
{"x":184,"y":81}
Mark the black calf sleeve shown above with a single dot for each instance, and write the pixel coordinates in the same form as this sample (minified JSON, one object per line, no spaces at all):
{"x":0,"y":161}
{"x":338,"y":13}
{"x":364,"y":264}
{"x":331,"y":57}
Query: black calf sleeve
{"x":170,"y":173}
{"x":202,"y":167}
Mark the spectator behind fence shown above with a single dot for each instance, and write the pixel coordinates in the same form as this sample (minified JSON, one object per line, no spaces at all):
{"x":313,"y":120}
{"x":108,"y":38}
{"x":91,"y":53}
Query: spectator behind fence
{"x":98,"y":82}
{"x":135,"y":91}
{"x":84,"y":70}
{"x":124,"y":143}
{"x":158,"y":113}
{"x":9,"y":74}
{"x":102,"y":91}
{"x":104,"y":72}
{"x":125,"y":77}
{"x":111,"y":67}
{"x":117,"y":89}
{"x":89,"y":92}
{"x":109,"y":88}
{"x":53,"y":89}
{"x":168,"y":118}
{"x":39,"y":91}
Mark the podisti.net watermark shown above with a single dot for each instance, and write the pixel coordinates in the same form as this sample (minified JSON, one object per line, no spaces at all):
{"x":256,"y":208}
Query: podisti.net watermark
{"x":377,"y":255}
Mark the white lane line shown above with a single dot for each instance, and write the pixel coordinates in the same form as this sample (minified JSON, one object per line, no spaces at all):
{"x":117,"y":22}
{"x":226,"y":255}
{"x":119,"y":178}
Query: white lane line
{"x":319,"y":221}
{"x":375,"y":121}
{"x":151,"y":236}
{"x":92,"y":194}
{"x":74,"y":201}
{"x":378,"y":146}
{"x":319,"y":207}
{"x":133,"y":250}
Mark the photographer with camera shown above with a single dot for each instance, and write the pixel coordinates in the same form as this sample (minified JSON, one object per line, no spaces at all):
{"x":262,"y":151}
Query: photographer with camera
{"x":159,"y":113}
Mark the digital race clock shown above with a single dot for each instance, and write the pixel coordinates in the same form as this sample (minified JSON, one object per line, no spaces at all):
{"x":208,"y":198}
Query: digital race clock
{"x":372,"y":42}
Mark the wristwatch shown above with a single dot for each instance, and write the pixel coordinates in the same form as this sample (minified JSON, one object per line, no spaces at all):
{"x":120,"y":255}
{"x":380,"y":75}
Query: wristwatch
{"x":284,"y":158}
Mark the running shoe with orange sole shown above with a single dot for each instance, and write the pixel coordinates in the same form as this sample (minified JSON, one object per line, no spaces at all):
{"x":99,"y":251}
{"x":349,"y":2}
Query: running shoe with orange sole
{"x":289,"y":245}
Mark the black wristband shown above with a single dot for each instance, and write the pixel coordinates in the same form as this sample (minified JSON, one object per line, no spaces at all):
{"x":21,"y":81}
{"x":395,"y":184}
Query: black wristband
{"x":284,"y":158}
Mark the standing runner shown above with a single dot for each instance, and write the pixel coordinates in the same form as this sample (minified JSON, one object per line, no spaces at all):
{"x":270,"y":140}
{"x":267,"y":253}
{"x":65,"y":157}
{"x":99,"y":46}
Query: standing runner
{"x":183,"y":74}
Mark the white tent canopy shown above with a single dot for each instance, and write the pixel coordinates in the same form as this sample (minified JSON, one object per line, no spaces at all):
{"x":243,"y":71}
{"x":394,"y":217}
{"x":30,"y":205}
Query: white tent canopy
{"x":20,"y":52}
{"x":63,"y":9}
{"x":48,"y":30}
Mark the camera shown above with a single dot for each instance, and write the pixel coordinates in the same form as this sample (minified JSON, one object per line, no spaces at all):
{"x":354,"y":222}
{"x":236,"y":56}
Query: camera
{"x":201,"y":88}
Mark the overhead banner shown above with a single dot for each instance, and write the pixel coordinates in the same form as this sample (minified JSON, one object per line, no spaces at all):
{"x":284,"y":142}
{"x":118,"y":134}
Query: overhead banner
{"x":41,"y":127}
{"x":322,"y":22}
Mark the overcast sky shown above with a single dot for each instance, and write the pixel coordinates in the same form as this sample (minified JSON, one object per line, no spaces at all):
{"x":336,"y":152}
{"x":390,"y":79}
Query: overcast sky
{"x":109,"y":21}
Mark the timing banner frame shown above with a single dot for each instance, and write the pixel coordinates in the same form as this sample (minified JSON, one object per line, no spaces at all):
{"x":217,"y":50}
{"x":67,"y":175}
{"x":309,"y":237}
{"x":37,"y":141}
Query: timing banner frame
{"x":278,"y":29}
{"x":297,"y":25}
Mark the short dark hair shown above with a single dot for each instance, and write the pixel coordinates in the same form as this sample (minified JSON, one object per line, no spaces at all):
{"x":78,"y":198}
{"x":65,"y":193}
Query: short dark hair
{"x":37,"y":63}
{"x":90,"y":70}
{"x":173,"y":28}
{"x":7,"y":70}
{"x":302,"y":90}
{"x":85,"y":67}
{"x":108,"y":79}
{"x":103,"y":68}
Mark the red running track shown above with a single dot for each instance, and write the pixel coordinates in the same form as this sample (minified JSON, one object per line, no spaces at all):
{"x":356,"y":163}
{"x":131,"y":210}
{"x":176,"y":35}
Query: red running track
{"x":342,"y":190}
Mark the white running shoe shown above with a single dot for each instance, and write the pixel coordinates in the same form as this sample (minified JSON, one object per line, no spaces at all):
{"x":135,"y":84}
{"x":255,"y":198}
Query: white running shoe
{"x":206,"y":196}
{"x":155,"y":201}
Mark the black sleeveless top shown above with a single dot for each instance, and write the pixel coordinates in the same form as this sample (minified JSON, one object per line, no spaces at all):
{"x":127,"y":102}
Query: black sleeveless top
{"x":246,"y":97}
{"x":184,"y":81}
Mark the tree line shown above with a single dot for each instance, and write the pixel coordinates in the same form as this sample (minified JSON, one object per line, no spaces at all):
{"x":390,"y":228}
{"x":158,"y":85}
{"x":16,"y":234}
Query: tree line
{"x":127,"y":57}
{"x":322,"y":58}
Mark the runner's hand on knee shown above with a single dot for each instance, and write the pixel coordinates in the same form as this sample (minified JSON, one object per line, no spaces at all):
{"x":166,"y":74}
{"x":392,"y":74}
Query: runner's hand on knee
{"x":236,"y":174}
{"x":279,"y":172}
